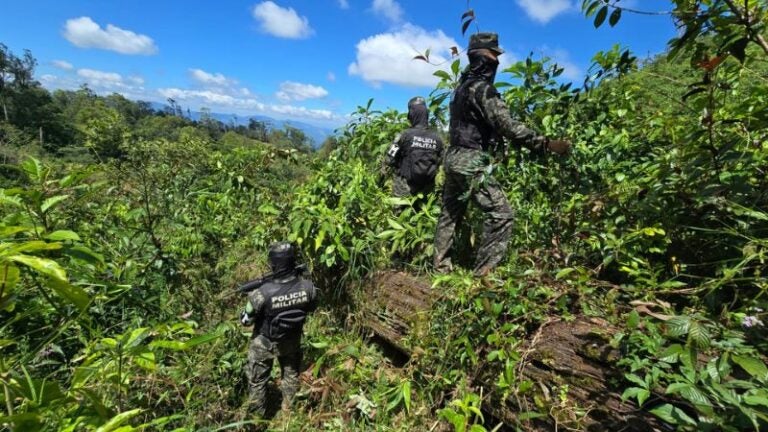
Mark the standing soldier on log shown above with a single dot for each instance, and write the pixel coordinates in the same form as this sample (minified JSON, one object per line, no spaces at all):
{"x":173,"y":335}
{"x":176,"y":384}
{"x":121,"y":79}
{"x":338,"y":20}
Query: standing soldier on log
{"x":277,"y":307}
{"x":478,"y":117}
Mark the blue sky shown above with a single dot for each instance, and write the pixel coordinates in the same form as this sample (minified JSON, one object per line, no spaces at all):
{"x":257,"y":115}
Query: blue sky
{"x":311,"y":60}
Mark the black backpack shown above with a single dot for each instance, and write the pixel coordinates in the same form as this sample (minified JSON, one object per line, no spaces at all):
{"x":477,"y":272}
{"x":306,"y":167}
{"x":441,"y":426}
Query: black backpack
{"x":423,"y":158}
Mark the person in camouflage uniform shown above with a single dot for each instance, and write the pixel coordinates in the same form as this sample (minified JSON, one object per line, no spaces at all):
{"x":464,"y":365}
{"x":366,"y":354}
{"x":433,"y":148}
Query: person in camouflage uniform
{"x":414,"y":155}
{"x":478,"y":118}
{"x":277,"y":310}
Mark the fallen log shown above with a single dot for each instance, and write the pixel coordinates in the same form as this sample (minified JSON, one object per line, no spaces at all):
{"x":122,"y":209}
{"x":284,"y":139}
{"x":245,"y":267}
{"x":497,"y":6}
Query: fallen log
{"x":572,"y":383}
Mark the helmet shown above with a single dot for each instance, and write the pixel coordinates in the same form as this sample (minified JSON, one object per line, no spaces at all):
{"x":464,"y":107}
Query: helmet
{"x":415,"y":101}
{"x":282,"y":257}
{"x":488,"y":41}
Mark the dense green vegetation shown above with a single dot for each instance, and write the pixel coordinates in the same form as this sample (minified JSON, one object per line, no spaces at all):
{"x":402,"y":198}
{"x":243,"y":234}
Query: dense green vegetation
{"x":124,"y":230}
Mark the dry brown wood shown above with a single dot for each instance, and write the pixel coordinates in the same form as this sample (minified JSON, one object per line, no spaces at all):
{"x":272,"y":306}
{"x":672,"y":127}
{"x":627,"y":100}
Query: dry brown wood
{"x":568,"y":362}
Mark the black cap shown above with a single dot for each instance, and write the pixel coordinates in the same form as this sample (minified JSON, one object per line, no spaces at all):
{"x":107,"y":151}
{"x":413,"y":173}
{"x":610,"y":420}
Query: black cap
{"x":488,"y":41}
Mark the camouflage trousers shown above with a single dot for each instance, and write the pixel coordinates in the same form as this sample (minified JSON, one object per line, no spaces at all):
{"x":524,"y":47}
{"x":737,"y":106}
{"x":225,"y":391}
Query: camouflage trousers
{"x":261,"y":355}
{"x":401,"y":189}
{"x":467,"y":176}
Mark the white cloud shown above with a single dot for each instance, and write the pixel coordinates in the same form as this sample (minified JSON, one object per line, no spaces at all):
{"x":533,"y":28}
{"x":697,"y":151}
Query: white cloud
{"x":99,"y":76}
{"x":544,"y":10}
{"x":101,"y":82}
{"x":207,"y":78}
{"x":563,"y":59}
{"x":47,"y":79}
{"x":210,"y":97}
{"x":107,"y":82}
{"x":281,"y":22}
{"x":85,"y":33}
{"x":388,"y":57}
{"x":344,"y":4}
{"x":63,"y":65}
{"x":218,"y":100}
{"x":389,"y":9}
{"x":291,"y":110}
{"x":290,"y":90}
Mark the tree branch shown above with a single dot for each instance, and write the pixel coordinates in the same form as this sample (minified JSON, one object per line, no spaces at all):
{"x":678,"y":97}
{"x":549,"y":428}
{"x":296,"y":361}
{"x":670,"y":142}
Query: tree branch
{"x":743,"y":16}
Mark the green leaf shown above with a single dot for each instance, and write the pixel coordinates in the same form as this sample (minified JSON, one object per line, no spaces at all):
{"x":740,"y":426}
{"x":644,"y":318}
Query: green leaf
{"x":672,"y":414}
{"x":116,"y":421}
{"x":71,"y":293}
{"x":319,"y":239}
{"x":9,"y":276}
{"x":168,"y":344}
{"x":678,"y":326}
{"x":589,"y":10}
{"x":52,"y":202}
{"x":671,"y":354}
{"x":752,"y":366}
{"x":31,"y":246}
{"x":62,"y":235}
{"x":41,"y":265}
{"x":636,"y":379}
{"x":11,"y":200}
{"x":386,"y":234}
{"x":267,"y":208}
{"x":600,"y":17}
{"x":8,"y":231}
{"x":564,"y":272}
{"x":615,"y":17}
{"x":407,"y":395}
{"x":145,"y":358}
{"x":33,"y":168}
{"x":202,"y":339}
{"x":442,"y":75}
{"x":638,"y":393}
{"x":699,"y":335}
{"x":757,"y":397}
{"x":689,"y":392}
{"x":84,"y":254}
{"x":394,"y":224}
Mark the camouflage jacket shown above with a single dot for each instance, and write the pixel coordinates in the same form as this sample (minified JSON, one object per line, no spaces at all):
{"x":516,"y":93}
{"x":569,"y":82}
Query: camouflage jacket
{"x":479,"y":117}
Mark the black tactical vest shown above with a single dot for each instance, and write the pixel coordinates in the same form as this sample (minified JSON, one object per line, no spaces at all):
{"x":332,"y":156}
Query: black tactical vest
{"x":285,"y":308}
{"x":469,"y":128}
{"x":421,"y":148}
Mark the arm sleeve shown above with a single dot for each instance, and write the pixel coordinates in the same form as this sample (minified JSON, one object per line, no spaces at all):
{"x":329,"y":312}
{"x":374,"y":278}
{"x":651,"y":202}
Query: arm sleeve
{"x":313,"y":296}
{"x":253,"y":308}
{"x":394,"y":153}
{"x":497,"y":114}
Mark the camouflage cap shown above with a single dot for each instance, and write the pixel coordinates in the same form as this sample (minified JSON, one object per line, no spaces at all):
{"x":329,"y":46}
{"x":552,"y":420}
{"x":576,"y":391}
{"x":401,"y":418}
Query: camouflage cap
{"x":485,"y":40}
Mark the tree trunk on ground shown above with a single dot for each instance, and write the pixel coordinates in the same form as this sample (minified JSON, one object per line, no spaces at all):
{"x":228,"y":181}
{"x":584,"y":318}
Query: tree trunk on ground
{"x":568,"y":363}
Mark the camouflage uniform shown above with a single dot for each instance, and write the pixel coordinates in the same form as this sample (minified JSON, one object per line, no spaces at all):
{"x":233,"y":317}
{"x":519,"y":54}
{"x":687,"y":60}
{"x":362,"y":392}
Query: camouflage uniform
{"x":262,"y":352}
{"x":478,"y":117}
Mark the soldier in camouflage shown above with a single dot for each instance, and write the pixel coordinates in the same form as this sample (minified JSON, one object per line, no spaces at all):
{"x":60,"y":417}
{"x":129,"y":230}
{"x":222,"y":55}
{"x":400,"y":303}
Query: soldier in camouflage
{"x":415,"y":154}
{"x":277,"y":311}
{"x":478,"y":118}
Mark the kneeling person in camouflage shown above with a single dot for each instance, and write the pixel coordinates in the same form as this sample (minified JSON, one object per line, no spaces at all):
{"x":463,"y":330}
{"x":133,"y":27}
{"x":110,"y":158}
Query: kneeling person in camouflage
{"x":277,"y":310}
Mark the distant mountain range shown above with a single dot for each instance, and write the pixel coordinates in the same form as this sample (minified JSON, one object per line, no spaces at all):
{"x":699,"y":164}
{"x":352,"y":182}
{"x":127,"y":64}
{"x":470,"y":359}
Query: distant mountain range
{"x":318,"y":134}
